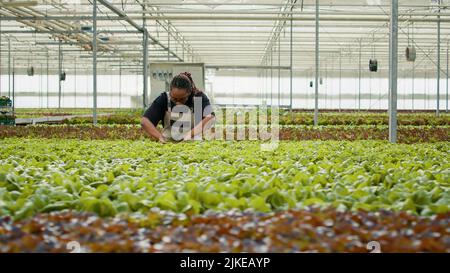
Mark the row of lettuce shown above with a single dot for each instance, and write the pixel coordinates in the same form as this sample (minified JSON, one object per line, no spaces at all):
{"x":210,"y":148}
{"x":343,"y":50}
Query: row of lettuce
{"x":406,"y":134}
{"x":122,"y":177}
{"x":233,"y":116}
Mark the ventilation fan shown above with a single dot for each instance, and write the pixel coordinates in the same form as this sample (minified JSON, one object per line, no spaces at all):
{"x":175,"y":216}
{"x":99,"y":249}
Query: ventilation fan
{"x":373,"y":65}
{"x":62,"y":76}
{"x":30,"y":71}
{"x":411,"y":54}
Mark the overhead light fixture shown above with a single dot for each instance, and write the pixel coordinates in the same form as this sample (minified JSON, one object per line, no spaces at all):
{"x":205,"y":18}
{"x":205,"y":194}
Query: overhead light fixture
{"x":86,"y":28}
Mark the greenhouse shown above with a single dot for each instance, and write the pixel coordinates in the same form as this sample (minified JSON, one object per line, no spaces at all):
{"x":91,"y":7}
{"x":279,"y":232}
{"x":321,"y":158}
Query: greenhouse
{"x":240,"y":126}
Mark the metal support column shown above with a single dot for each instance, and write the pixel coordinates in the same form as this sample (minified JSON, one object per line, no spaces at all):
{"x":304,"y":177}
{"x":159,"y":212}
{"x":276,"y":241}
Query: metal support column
{"x":279,"y":71}
{"x":340,"y":80}
{"x":359,"y":74}
{"x":48,"y":80}
{"x":145,"y":69}
{"x":446,"y":89}
{"x":266,"y":84}
{"x":94,"y":61}
{"x":145,"y":64}
{"x":264,"y":80}
{"x":393,"y":66}
{"x":326,"y":85}
{"x":413,"y":85}
{"x":290,"y":67}
{"x":59,"y":74}
{"x":120,"y":84}
{"x":75,"y":82}
{"x":370,"y":92}
{"x":271,"y":77}
{"x":0,"y":59}
{"x":425,"y":88}
{"x":316,"y":96}
{"x":438,"y":91}
{"x":9,"y":68}
{"x":40,"y":87}
{"x":14,"y":86}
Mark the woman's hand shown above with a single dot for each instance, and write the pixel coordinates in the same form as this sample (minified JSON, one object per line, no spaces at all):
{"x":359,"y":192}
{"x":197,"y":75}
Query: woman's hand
{"x":206,"y":124}
{"x":162,"y":140}
{"x":187,"y":137}
{"x":151,"y":130}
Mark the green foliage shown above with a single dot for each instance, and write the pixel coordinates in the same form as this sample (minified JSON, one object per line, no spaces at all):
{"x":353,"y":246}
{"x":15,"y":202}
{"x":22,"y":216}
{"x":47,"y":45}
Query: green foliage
{"x":111,"y":177}
{"x":133,"y":116}
{"x":406,"y":134}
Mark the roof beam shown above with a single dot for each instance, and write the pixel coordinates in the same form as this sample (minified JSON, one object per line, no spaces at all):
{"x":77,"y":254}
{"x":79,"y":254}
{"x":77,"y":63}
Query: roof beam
{"x":122,"y":15}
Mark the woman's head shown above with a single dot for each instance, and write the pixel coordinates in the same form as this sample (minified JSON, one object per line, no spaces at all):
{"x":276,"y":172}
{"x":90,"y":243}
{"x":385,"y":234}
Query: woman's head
{"x":181,"y":87}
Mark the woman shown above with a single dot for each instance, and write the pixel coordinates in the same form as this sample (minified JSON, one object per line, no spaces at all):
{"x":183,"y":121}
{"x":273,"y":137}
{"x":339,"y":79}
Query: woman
{"x":183,"y":94}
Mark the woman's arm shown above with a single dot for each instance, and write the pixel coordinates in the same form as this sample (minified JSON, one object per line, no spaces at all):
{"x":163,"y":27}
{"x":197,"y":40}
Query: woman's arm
{"x":199,"y":128}
{"x":151,"y":130}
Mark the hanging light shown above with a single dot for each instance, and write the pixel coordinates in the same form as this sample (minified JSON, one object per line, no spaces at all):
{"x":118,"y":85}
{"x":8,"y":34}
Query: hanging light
{"x":86,"y":28}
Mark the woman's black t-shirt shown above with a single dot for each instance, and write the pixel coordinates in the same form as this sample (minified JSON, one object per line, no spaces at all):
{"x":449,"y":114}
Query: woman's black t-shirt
{"x":155,"y":113}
